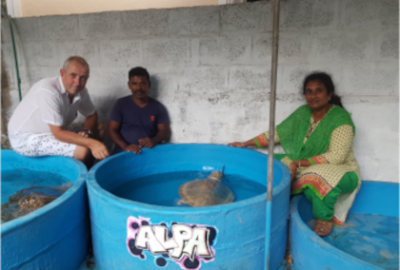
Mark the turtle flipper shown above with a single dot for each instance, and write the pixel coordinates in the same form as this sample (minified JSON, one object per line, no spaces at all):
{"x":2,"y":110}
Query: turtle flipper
{"x":181,"y":202}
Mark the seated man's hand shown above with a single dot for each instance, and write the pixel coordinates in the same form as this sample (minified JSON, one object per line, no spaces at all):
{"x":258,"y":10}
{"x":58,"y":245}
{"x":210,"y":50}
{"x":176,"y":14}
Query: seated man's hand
{"x":136,"y":149}
{"x":84,"y":133}
{"x":146,"y":142}
{"x":99,"y":150}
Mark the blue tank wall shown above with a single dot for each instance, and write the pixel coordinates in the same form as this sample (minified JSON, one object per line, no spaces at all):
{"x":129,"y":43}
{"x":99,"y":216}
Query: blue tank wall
{"x":56,"y":235}
{"x":240,"y":226}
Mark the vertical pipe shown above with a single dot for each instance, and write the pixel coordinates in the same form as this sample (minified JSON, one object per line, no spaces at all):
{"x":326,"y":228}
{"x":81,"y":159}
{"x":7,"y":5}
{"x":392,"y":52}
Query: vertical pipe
{"x":15,"y":58}
{"x":274,"y":64}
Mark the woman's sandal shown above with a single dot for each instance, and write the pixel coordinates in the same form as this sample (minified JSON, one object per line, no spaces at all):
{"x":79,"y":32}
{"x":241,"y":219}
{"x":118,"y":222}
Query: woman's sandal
{"x":323,"y":228}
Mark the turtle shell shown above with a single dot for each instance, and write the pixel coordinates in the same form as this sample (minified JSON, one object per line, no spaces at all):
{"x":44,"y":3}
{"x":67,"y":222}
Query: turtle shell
{"x":27,"y":200}
{"x":206,"y":192}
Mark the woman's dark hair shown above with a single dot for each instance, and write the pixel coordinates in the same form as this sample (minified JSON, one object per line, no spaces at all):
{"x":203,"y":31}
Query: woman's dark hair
{"x":326,"y":80}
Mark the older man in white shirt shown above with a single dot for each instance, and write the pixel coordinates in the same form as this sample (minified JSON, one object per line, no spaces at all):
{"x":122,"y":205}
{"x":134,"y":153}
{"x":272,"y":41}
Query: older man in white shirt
{"x":38,"y":124}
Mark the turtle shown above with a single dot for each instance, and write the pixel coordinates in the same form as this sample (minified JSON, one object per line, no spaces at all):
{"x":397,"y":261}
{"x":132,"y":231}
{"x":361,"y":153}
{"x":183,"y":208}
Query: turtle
{"x":29,"y":199}
{"x":206,"y":192}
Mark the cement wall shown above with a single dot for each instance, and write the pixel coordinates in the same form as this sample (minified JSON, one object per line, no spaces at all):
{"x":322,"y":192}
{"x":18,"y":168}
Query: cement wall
{"x":211,"y":65}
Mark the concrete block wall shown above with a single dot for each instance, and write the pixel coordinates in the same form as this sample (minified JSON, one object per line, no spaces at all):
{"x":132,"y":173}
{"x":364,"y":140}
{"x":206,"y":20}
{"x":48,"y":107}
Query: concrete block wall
{"x":210,"y":66}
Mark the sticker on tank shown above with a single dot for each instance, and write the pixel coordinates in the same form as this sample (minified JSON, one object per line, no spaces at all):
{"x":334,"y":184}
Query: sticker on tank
{"x":188,"y":245}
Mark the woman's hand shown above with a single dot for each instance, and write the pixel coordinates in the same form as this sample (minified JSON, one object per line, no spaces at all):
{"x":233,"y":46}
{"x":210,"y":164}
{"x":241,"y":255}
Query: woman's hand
{"x":243,"y":144}
{"x":296,"y":164}
{"x":237,"y":144}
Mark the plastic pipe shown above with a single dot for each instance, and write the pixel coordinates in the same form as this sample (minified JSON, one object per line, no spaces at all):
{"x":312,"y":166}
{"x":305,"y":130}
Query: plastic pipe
{"x":274,"y":64}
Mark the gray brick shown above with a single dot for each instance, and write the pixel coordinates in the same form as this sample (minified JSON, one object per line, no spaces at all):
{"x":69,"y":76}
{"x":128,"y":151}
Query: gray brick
{"x":121,"y":53}
{"x":194,"y":21}
{"x":308,"y":13}
{"x":262,"y":49}
{"x":225,"y":50}
{"x":108,"y":81}
{"x":100,"y":25}
{"x":210,"y":80}
{"x":291,"y":77}
{"x":255,"y":79}
{"x":342,"y":46}
{"x":59,"y":27}
{"x":377,"y":80}
{"x":359,"y":13}
{"x":254,"y":111}
{"x":5,"y":31}
{"x":7,"y":54}
{"x":165,"y":52}
{"x":389,"y":45}
{"x":32,"y":75}
{"x":86,"y":49}
{"x":40,"y":54}
{"x":292,"y":48}
{"x":370,"y":13}
{"x":388,"y":13}
{"x":246,"y":17}
{"x":26,"y":29}
{"x":163,"y":83}
{"x":144,"y":23}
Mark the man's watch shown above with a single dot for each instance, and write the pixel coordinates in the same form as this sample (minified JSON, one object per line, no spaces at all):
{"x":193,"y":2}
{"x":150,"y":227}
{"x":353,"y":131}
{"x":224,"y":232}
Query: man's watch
{"x":89,"y":132}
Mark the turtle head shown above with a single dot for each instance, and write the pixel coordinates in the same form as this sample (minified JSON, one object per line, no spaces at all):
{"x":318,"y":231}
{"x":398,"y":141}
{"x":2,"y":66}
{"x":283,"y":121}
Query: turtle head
{"x":217,"y":175}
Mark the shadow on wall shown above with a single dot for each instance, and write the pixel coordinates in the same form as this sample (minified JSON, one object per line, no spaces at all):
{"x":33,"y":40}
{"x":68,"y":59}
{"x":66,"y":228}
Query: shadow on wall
{"x":155,"y":87}
{"x":5,"y":105}
{"x":3,"y":9}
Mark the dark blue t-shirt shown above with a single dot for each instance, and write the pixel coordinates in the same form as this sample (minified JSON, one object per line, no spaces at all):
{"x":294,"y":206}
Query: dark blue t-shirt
{"x":137,"y":123}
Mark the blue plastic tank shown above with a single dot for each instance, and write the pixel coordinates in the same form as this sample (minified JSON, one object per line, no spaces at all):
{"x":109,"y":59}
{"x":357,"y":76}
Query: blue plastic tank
{"x":369,"y":239}
{"x":129,"y":234}
{"x":56,"y":235}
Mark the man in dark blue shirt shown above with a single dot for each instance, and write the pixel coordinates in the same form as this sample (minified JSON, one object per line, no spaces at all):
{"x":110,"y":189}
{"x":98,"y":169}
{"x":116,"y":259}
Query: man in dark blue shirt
{"x":138,"y":120}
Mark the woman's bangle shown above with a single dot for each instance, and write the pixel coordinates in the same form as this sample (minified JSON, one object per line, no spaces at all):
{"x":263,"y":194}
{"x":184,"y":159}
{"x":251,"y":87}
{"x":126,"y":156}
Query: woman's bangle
{"x":298,"y":164}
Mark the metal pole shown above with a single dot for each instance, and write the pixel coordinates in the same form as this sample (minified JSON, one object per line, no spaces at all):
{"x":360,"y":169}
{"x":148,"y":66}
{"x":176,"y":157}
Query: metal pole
{"x":274,"y":64}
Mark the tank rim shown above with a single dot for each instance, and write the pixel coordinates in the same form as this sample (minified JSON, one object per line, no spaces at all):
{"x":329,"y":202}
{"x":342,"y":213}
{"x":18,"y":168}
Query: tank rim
{"x":113,"y":199}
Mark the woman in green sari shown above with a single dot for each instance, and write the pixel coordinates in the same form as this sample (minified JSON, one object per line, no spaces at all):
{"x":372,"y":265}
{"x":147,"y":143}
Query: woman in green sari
{"x":318,"y":142}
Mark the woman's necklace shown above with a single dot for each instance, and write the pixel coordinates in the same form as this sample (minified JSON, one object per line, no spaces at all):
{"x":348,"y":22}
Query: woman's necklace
{"x":314,"y":123}
{"x":313,"y":126}
{"x":322,"y":115}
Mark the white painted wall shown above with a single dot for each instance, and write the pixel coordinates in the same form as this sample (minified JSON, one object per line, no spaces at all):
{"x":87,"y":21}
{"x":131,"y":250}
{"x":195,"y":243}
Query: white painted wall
{"x":211,"y":65}
{"x":14,"y":8}
{"x":61,"y":7}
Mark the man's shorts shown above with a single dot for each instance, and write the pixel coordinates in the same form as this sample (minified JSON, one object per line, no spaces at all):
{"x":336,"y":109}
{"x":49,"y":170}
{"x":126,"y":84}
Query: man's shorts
{"x":34,"y":145}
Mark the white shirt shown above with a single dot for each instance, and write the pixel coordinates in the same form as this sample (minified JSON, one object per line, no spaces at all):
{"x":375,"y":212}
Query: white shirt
{"x":47,"y":103}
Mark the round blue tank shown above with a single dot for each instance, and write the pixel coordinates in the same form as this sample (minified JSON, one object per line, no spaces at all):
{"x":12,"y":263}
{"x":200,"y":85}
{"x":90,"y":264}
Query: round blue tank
{"x":54,"y":236}
{"x":129,"y":234}
{"x":369,"y":240}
